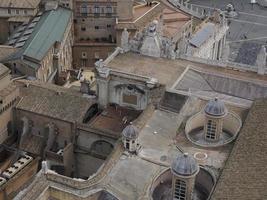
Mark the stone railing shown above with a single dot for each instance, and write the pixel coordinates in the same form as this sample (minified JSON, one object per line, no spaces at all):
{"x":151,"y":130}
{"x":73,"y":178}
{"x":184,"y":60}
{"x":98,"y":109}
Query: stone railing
{"x":224,"y":64}
{"x":93,"y":180}
{"x":191,"y":9}
{"x":231,"y":123}
{"x":195,"y":122}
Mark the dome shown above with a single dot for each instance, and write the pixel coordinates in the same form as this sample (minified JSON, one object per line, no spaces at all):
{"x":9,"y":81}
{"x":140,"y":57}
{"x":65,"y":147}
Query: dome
{"x":215,"y":107}
{"x":130,"y":132}
{"x":185,"y":165}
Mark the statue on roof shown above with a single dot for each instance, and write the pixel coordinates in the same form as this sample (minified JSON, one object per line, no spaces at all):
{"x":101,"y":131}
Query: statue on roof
{"x":125,"y":40}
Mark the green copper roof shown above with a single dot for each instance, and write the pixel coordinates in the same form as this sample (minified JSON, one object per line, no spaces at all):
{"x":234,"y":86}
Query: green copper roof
{"x":49,"y":29}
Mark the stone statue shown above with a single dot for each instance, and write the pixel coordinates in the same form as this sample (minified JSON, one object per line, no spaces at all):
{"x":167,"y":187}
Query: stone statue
{"x":125,"y":40}
{"x":44,"y":167}
{"x":172,"y":52}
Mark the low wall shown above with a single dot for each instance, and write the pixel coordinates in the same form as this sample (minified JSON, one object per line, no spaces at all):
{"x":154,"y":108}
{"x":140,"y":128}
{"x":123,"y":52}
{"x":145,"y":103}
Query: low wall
{"x":224,"y":64}
{"x":93,"y":180}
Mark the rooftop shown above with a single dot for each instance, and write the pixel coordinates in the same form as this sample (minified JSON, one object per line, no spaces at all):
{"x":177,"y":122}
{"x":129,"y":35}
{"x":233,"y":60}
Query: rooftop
{"x":3,"y":70}
{"x":114,"y":120}
{"x":19,"y":3}
{"x":147,"y":66}
{"x":244,"y":175}
{"x":54,"y":102}
{"x":141,"y":10}
{"x":6,"y":51}
{"x":44,"y":32}
{"x":173,"y":21}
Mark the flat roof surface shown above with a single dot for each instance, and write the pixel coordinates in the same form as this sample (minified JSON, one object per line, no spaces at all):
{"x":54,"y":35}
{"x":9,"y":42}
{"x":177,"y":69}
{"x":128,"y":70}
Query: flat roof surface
{"x":140,"y":10}
{"x":244,"y":175}
{"x":112,"y":119}
{"x":173,"y":21}
{"x":165,"y":70}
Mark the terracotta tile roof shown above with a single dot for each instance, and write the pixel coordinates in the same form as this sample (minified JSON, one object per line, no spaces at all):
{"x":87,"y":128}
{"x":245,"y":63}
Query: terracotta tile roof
{"x":244,"y":175}
{"x":54,"y":101}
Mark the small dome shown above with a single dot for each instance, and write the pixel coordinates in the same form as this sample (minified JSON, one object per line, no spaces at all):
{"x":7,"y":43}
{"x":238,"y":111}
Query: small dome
{"x":130,"y":132}
{"x":185,"y":165}
{"x":215,"y":107}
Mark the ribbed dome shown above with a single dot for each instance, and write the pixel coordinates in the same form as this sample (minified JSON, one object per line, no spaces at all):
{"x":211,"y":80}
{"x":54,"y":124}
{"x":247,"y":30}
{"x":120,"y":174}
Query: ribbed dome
{"x":215,"y":107}
{"x":130,"y":132}
{"x":185,"y":165}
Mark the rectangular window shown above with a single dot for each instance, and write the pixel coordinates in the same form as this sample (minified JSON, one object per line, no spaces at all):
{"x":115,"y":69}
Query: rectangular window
{"x":84,"y":62}
{"x":97,"y":11}
{"x":211,"y":129}
{"x":109,"y":11}
{"x":180,"y":190}
{"x":84,"y":10}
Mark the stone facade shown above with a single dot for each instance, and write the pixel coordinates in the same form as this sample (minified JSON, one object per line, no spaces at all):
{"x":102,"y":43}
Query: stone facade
{"x":114,"y":87}
{"x":8,"y":98}
{"x":94,"y":31}
{"x":14,"y":14}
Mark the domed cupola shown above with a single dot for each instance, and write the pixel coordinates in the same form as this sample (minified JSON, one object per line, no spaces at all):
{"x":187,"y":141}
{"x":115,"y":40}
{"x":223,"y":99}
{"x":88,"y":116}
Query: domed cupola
{"x":215,"y":108}
{"x":215,"y":111}
{"x":184,"y":165}
{"x":130,"y":137}
{"x":184,"y":170}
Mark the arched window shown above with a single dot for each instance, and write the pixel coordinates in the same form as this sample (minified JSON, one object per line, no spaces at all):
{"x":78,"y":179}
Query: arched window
{"x":211,"y":129}
{"x":180,"y":190}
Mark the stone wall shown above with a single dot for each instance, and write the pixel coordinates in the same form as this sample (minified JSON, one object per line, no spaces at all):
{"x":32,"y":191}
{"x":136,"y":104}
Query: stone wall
{"x":92,"y":51}
{"x":65,"y":129}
